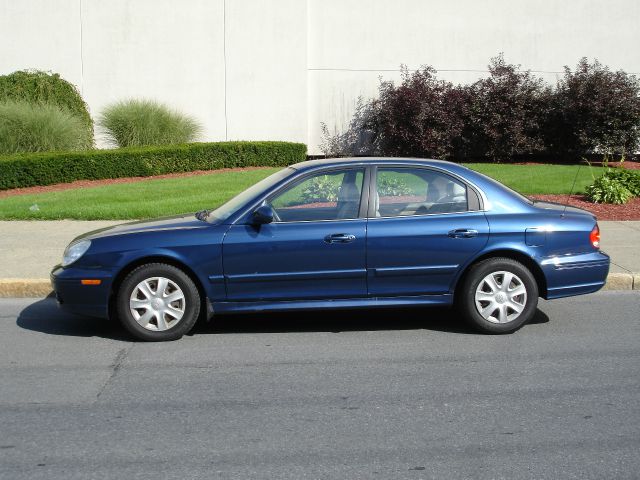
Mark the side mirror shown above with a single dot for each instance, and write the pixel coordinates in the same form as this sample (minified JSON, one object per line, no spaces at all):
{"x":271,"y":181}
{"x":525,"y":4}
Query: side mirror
{"x":263,"y":214}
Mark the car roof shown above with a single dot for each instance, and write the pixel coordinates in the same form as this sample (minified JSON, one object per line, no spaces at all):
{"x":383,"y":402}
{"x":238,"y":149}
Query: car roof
{"x":326,"y":162}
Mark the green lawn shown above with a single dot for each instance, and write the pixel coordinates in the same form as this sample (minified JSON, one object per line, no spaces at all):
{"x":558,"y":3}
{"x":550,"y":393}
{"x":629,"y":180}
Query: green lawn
{"x":153,"y":198}
{"x":532,"y":179}
{"x":145,"y":199}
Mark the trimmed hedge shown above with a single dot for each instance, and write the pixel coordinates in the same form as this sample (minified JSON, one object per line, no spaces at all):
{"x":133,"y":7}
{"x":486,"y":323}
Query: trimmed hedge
{"x":28,"y":170}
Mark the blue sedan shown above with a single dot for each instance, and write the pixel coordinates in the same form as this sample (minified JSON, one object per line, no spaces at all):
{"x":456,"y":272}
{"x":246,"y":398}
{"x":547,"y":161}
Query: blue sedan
{"x":340,"y":233}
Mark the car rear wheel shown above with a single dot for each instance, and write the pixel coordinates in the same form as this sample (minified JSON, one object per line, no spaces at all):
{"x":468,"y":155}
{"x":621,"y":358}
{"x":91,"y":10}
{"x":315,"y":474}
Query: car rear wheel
{"x":158,"y":302}
{"x":498,"y":295}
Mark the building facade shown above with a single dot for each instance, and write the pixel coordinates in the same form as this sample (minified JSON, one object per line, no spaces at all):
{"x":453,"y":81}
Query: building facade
{"x":276,"y":69}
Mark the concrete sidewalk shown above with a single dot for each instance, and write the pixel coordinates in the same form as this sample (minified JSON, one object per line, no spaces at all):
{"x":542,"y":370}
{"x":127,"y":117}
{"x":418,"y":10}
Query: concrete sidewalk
{"x":28,"y":250}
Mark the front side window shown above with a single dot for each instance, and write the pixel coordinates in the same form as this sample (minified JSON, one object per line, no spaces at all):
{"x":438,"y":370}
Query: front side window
{"x":332,"y":195}
{"x":418,"y":191}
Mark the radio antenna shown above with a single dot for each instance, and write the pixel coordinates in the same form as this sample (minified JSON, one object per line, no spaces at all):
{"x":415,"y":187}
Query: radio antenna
{"x":571,"y":191}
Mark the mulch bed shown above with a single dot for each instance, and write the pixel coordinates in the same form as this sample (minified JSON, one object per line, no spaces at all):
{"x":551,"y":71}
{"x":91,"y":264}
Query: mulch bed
{"x":628,"y":211}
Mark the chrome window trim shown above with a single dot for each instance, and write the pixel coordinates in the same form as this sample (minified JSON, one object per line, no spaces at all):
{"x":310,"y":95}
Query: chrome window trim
{"x":428,"y":214}
{"x":322,"y":221}
{"x":486,"y":206}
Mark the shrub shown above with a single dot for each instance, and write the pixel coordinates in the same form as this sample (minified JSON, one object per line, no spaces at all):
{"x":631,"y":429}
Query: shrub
{"x":628,"y":178}
{"x":393,"y":187}
{"x":39,"y":87}
{"x":26,"y":170}
{"x":608,"y":190}
{"x":322,"y":189}
{"x":505,"y":114}
{"x":26,"y":127}
{"x":594,"y":111}
{"x":360,"y":138}
{"x":420,"y":118}
{"x":509,"y":114}
{"x":137,"y":123}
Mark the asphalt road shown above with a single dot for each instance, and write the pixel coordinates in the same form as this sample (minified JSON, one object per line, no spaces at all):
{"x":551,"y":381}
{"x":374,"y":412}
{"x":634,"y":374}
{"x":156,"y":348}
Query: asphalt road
{"x":410,"y":394}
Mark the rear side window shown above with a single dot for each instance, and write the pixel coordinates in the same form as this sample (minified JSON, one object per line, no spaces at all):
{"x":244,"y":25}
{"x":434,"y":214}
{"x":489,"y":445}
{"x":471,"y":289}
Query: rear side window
{"x":420,"y":191}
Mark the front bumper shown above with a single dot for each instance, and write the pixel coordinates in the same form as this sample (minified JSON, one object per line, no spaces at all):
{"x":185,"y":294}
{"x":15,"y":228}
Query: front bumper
{"x":79,"y":299}
{"x":578,"y":274}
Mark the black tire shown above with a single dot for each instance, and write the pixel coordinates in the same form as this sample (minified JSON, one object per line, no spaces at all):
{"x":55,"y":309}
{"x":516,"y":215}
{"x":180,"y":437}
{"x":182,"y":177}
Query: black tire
{"x":190,"y":305}
{"x":466,"y":296}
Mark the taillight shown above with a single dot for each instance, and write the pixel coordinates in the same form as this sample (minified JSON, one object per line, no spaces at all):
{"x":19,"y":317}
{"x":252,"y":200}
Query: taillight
{"x":594,"y":236}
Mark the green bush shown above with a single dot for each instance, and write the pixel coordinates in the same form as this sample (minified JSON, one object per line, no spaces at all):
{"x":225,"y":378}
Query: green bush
{"x":393,"y":187}
{"x":26,"y":127}
{"x":608,"y":190}
{"x":39,"y":87}
{"x":137,"y":123}
{"x":26,"y":170}
{"x":322,"y":189}
{"x":628,"y":178}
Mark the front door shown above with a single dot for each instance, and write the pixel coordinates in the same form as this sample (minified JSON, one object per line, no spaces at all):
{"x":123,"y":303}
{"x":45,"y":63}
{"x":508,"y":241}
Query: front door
{"x":424,"y":226}
{"x":314,"y":249}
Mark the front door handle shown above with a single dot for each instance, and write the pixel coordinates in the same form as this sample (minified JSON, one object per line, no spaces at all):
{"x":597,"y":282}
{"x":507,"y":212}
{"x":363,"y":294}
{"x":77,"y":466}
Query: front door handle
{"x":340,"y":238}
{"x":463,"y":233}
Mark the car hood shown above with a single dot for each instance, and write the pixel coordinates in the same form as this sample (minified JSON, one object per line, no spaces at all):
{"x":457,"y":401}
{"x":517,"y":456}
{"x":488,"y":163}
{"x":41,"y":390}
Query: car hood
{"x":177,"y":222}
{"x":561,"y":208}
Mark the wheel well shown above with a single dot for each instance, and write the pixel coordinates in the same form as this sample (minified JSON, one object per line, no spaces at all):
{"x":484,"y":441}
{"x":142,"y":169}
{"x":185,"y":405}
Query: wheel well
{"x":524,"y":259}
{"x":117,"y":281}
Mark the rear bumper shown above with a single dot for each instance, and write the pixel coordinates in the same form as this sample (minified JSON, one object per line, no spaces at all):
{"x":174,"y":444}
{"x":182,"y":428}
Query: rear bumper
{"x":575,"y":274}
{"x":73,"y":297}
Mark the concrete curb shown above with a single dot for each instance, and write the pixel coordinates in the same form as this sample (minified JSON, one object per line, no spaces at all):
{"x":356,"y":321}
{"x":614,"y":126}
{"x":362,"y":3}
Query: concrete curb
{"x":41,"y":287}
{"x":21,"y":287}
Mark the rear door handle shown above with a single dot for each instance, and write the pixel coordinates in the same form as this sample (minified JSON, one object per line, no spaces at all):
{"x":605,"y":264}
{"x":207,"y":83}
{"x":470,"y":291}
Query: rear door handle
{"x":463,"y":233}
{"x":340,"y":238}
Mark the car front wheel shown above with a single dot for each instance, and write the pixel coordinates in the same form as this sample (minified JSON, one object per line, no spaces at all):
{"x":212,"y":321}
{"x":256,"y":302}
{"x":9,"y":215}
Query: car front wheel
{"x":158,"y":302}
{"x":498,"y":295}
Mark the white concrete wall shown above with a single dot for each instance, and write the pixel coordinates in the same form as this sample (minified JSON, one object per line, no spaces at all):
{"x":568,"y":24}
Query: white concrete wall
{"x":152,"y":49}
{"x":267,"y":69}
{"x":275,"y":69}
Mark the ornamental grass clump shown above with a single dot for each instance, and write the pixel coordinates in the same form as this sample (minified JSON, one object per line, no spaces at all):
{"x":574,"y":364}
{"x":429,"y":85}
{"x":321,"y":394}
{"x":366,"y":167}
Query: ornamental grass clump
{"x":137,"y":123}
{"x":35,"y":127}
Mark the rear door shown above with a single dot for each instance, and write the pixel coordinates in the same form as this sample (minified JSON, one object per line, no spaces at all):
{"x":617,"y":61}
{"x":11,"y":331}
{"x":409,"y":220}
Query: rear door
{"x":424,"y":224}
{"x":314,"y":249}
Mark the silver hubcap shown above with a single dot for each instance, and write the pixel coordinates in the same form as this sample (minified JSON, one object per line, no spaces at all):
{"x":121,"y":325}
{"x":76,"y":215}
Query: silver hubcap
{"x":501,"y":297}
{"x":157,"y":304}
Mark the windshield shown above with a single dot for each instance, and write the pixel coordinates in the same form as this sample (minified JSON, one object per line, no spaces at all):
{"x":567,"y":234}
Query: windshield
{"x":226,"y":210}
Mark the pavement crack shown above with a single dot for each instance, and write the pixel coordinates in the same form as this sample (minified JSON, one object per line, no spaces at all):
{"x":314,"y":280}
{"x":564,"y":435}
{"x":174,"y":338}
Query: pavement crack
{"x":115,"y":368}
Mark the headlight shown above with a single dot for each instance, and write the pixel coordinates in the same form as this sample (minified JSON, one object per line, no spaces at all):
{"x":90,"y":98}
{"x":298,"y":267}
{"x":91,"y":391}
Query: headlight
{"x":74,"y":251}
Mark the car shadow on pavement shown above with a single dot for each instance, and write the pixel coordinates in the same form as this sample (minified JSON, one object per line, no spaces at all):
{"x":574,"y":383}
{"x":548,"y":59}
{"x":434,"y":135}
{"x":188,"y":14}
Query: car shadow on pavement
{"x":45,"y":317}
{"x":406,"y":318}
